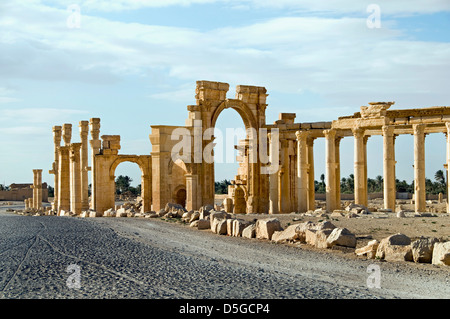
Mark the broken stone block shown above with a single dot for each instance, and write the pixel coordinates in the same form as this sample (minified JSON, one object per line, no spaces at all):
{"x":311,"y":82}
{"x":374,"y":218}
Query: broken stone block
{"x":324,"y":225}
{"x":121,"y":212}
{"x":194,"y":216}
{"x":301,"y":230}
{"x":173,"y":207}
{"x":310,"y":236}
{"x":203,"y":224}
{"x":288,"y":235}
{"x":422,"y":249}
{"x":249,"y":231}
{"x":266,"y":227}
{"x":194,"y":224}
{"x":219,"y":226}
{"x":341,"y":237}
{"x":369,"y":250}
{"x":398,"y":253}
{"x":219,"y":215}
{"x":230,"y":227}
{"x":322,"y":237}
{"x":238,"y":226}
{"x":393,"y":240}
{"x":441,"y":254}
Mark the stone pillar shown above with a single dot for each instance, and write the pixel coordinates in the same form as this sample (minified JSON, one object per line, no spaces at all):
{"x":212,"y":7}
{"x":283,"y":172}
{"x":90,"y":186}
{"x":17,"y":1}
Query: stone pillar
{"x":63,"y":179}
{"x":337,"y":159}
{"x":419,"y":167}
{"x":96,"y":144}
{"x":447,"y":124}
{"x":191,"y":191}
{"x":75,"y":178}
{"x":285,"y":198}
{"x":67,"y":133}
{"x":389,"y":189}
{"x":359,"y":166}
{"x":273,"y":178}
{"x":366,"y":195}
{"x":302,"y":171}
{"x":330,"y":154}
{"x":311,"y":184}
{"x":84,"y":131}
{"x":55,"y":166}
{"x":37,"y":189}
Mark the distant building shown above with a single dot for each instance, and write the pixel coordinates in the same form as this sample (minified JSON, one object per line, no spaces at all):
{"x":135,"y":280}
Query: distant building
{"x":19,"y":192}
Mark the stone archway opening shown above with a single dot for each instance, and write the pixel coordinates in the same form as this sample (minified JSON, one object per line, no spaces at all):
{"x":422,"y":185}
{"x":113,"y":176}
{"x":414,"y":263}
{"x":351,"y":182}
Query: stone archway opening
{"x":128,"y":181}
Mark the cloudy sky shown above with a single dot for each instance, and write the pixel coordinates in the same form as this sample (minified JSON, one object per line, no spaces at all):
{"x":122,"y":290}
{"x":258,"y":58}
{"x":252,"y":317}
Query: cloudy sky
{"x":134,"y":63}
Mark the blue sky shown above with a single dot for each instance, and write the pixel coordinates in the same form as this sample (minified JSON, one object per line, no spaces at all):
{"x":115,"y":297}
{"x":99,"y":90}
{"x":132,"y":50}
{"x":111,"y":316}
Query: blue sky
{"x":134,"y":63}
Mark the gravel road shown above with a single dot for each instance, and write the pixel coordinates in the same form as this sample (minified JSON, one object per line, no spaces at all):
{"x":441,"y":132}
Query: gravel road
{"x":141,"y":258}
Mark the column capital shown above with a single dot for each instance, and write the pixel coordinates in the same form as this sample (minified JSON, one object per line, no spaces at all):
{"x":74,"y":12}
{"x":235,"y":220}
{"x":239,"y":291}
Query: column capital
{"x":388,"y":130}
{"x":84,"y":128}
{"x":358,"y":132}
{"x":419,"y":128}
{"x":75,"y":151}
{"x":94,"y":124}
{"x":330,"y":133}
{"x":67,"y":133}
{"x":301,"y":135}
{"x":310,"y":140}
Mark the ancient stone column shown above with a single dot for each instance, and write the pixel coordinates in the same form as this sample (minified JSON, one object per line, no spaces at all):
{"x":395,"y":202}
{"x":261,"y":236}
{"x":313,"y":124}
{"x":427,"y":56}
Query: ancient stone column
{"x":96,"y":144}
{"x":330,"y":154}
{"x":337,"y":159}
{"x":191,"y":191}
{"x":63,"y":179}
{"x":67,"y":133}
{"x":37,"y":188}
{"x":273,"y":178}
{"x":84,"y":131}
{"x":302,"y":171}
{"x":365,"y":192}
{"x":55,"y":166}
{"x":311,"y":184}
{"x":389,"y":188}
{"x":285,"y":198}
{"x":75,"y":178}
{"x":419,"y":167}
{"x":359,"y":164}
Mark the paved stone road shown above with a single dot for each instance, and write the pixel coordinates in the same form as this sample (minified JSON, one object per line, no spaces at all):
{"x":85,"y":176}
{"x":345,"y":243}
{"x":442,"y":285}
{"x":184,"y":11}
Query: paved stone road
{"x":140,"y":258}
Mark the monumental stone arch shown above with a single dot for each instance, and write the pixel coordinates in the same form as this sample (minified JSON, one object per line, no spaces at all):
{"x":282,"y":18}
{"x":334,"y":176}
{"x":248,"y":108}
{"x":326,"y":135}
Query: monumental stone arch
{"x":180,"y":168}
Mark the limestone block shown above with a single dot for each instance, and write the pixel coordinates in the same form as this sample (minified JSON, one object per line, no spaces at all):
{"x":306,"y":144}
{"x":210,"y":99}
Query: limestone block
{"x":369,"y":250}
{"x":194,"y":224}
{"x":121,"y":212}
{"x":398,"y":253}
{"x":337,"y":213}
{"x":401,"y":214}
{"x":422,"y":249}
{"x":249,"y":231}
{"x":301,"y":230}
{"x":228,"y":204}
{"x":321,"y":237}
{"x":266,"y":227}
{"x":220,"y":215}
{"x":221,"y":228}
{"x":288,"y":235}
{"x":173,"y":207}
{"x":393,"y":240}
{"x":324,"y":225}
{"x":195,"y":215}
{"x":203,"y":224}
{"x":238,"y":227}
{"x":230,"y":227}
{"x":93,"y":213}
{"x":341,"y":237}
{"x":441,"y":254}
{"x":109,"y":213}
{"x":84,"y":214}
{"x":310,"y":236}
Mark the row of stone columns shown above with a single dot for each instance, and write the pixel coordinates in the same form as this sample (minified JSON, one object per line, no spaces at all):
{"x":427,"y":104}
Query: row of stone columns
{"x":36,"y":201}
{"x":70,"y":168}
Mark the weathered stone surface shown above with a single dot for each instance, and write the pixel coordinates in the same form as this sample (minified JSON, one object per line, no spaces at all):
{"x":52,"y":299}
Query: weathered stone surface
{"x":288,"y":235}
{"x":266,"y":227}
{"x":324,"y":225}
{"x":219,"y":226}
{"x":301,"y":230}
{"x":422,"y":249}
{"x":322,"y":237}
{"x":401,"y":214}
{"x":398,"y":253}
{"x":310,"y":236}
{"x":341,"y":237}
{"x":194,"y":224}
{"x":441,"y":254}
{"x":357,"y":209}
{"x":173,"y":207}
{"x":219,"y":215}
{"x":93,"y":213}
{"x":369,"y":250}
{"x":109,"y":213}
{"x":249,"y":231}
{"x":393,"y":240}
{"x":238,"y":226}
{"x":203,"y":224}
{"x":121,"y":212}
{"x":230,"y":227}
{"x":194,"y":216}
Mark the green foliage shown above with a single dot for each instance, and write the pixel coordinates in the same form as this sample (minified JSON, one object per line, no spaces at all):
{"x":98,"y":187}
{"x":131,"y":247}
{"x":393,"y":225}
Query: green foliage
{"x":222,"y":187}
{"x":123,"y":185}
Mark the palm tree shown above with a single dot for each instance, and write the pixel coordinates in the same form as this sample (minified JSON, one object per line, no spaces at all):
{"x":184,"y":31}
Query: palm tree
{"x":439,"y":176}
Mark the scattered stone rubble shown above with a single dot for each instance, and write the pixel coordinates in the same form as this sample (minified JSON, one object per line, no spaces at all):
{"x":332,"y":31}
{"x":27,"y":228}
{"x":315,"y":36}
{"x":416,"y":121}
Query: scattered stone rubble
{"x":324,"y":234}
